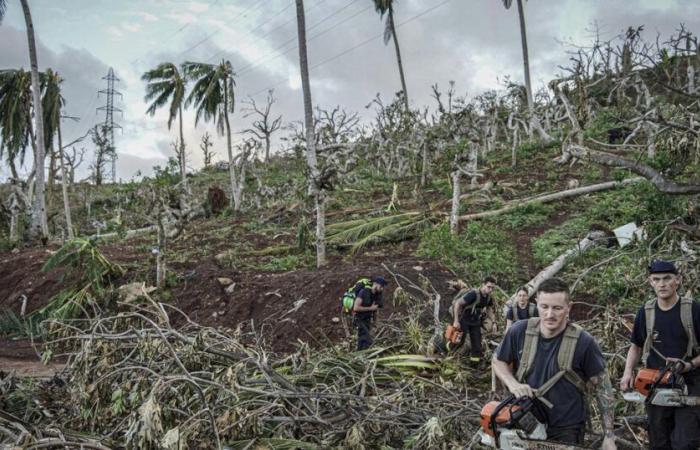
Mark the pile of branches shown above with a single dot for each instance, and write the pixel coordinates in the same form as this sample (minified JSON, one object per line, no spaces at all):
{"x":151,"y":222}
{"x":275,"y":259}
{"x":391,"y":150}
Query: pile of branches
{"x":133,"y":381}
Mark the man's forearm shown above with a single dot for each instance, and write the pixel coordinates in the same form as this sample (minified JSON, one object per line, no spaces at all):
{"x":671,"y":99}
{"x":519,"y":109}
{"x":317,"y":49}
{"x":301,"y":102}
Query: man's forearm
{"x":633,"y":355}
{"x":605,"y":398}
{"x":457,"y":311}
{"x":502,"y":371}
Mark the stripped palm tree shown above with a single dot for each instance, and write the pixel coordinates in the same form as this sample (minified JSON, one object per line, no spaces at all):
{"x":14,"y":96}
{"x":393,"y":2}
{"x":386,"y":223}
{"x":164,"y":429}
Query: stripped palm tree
{"x":213,"y":97}
{"x":534,"y":122}
{"x":387,"y":7}
{"x":166,"y":83}
{"x":315,"y":190}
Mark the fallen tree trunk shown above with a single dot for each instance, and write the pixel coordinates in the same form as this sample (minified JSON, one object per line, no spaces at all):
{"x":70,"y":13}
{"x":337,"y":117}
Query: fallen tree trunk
{"x":546,"y":198}
{"x":608,"y":159}
{"x":555,"y":266}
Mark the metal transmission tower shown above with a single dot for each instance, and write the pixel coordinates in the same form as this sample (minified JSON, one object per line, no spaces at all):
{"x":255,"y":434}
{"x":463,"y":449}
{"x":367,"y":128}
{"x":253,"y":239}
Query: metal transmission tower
{"x":109,"y":124}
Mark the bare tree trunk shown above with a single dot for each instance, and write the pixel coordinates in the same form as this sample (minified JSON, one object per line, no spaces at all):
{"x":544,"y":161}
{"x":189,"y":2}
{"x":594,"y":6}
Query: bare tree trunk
{"x":319,"y":198}
{"x":398,"y":58}
{"x":231,"y":168}
{"x":14,"y":219}
{"x":160,"y":256}
{"x":526,"y":58}
{"x":552,"y":197}
{"x":424,"y":169}
{"x":64,"y":187}
{"x":38,"y":226}
{"x":183,"y":159}
{"x":267,"y":147}
{"x":456,"y":193}
{"x":691,"y":77}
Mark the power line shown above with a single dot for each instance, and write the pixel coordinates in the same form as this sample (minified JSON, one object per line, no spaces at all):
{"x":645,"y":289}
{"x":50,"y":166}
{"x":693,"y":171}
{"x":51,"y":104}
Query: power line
{"x":277,"y":52}
{"x":216,"y":55}
{"x":365,"y":42}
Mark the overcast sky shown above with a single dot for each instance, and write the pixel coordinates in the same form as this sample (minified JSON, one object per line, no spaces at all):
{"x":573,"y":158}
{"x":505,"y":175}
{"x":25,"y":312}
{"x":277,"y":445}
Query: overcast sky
{"x":476,"y":43}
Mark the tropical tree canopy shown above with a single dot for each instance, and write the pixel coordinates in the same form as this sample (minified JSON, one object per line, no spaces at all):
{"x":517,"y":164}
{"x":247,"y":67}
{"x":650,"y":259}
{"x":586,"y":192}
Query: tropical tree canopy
{"x":15,"y":113}
{"x":52,"y":102}
{"x":384,"y":7}
{"x":213,"y":91}
{"x":165,"y":82}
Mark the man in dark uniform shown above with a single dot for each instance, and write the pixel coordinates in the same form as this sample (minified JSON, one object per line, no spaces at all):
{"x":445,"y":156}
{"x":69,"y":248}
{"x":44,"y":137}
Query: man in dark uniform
{"x":675,"y":323}
{"x":521,"y":309}
{"x":367,"y":302}
{"x":469,"y":313}
{"x":531,"y":362}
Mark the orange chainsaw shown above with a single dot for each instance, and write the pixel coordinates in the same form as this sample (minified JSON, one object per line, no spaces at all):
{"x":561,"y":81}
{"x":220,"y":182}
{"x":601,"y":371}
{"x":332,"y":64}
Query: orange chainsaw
{"x":453,"y":335}
{"x":510,"y":423}
{"x":662,"y":387}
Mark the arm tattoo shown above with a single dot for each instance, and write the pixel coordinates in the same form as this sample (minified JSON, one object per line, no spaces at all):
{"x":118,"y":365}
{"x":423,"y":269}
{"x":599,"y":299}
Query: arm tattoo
{"x":606,"y":399}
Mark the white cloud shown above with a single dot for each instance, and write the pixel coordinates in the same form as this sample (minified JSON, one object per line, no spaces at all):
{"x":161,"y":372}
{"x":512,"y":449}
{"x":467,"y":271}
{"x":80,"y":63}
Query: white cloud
{"x":115,"y":32}
{"x":197,"y":7}
{"x":183,"y":18}
{"x":131,"y":27}
{"x":148,"y":17}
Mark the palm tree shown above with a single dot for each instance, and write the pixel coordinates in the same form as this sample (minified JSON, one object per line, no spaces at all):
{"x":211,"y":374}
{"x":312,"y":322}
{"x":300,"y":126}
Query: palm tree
{"x":213,"y":97}
{"x":526,"y":58}
{"x":15,"y":116}
{"x":53,"y":103}
{"x":311,"y":159}
{"x":38,"y":227}
{"x":534,"y":121}
{"x":387,"y":7}
{"x":166,"y":83}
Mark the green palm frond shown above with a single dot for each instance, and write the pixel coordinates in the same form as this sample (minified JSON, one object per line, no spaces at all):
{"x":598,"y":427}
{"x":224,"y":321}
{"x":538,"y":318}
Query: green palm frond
{"x":362,"y":232}
{"x":165,"y":83}
{"x":82,"y":256}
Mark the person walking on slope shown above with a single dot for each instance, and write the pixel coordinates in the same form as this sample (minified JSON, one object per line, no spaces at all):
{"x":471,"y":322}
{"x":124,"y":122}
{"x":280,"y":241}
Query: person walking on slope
{"x":367,"y":302}
{"x":469,"y":313}
{"x":553,"y":360}
{"x":666,"y":329}
{"x":522,"y":309}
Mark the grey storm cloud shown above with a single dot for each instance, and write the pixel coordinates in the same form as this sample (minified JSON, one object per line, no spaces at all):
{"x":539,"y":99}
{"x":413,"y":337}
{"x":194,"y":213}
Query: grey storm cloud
{"x":476,"y":43}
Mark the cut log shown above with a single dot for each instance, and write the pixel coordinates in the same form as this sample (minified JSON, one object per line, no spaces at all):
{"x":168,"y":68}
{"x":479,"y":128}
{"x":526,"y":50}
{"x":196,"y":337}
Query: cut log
{"x":546,"y":198}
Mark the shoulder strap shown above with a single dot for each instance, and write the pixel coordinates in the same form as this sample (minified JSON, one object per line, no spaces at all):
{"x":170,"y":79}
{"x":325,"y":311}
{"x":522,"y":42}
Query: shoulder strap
{"x":477,"y":301}
{"x":531,"y":310}
{"x":532,"y":335}
{"x":565,"y":359}
{"x":649,"y":315}
{"x":687,"y":321}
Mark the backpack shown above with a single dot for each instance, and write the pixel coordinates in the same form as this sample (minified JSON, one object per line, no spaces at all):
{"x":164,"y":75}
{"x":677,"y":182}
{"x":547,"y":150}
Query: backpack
{"x":460,"y":295}
{"x":686,"y":320}
{"x":565,"y":358}
{"x":531,"y":308}
{"x":347,"y":302}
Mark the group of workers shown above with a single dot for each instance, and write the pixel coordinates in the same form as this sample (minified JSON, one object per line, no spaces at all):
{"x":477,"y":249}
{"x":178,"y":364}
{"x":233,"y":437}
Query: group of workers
{"x":545,"y":355}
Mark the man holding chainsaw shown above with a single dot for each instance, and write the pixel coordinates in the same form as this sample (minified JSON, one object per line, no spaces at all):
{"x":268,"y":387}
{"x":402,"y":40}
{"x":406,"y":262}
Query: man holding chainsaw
{"x":553,"y":360}
{"x":665,"y":338}
{"x":469,"y":313}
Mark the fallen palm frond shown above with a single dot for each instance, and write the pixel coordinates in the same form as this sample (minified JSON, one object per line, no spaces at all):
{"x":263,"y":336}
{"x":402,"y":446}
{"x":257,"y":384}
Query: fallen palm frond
{"x":360,"y":233}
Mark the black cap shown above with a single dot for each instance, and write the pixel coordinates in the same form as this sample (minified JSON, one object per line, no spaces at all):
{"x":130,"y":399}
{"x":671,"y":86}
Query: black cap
{"x":659,"y":266}
{"x":379,"y":280}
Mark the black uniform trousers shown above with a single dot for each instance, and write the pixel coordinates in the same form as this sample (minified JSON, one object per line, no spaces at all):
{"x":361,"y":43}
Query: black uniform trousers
{"x":364,"y":338}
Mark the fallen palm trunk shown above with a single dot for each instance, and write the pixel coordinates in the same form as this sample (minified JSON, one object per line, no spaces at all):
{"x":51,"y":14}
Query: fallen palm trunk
{"x":546,"y":198}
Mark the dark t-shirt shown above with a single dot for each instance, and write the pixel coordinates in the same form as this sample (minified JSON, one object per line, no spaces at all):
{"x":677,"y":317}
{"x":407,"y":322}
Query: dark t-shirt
{"x":522,"y":313}
{"x":369,"y":298}
{"x":471,"y":313}
{"x":569,"y":407}
{"x":669,"y":337}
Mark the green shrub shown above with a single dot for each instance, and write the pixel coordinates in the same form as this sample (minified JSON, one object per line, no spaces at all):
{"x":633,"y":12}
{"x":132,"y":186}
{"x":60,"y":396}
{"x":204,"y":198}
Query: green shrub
{"x":524,"y":216}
